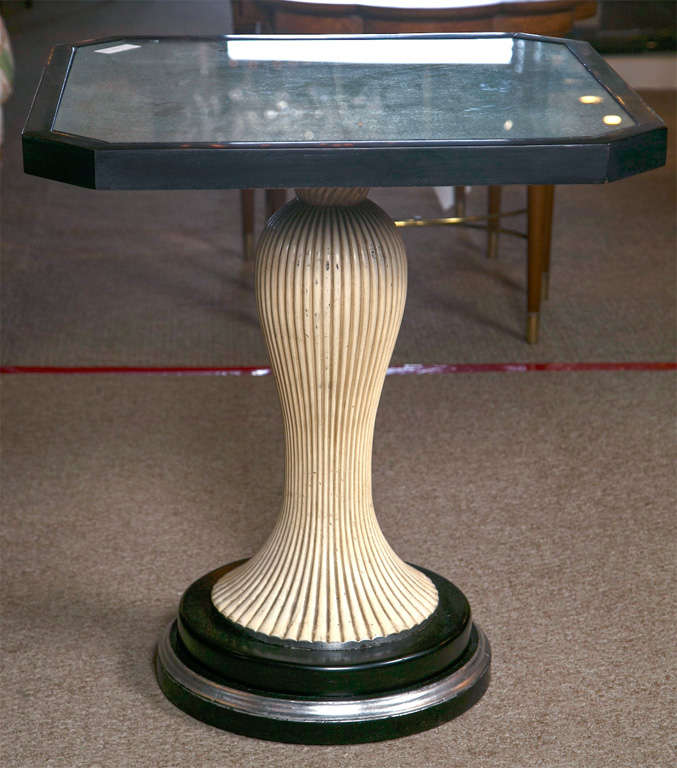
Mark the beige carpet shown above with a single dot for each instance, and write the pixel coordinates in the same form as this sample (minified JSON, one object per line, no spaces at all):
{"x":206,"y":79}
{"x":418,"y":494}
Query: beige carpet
{"x":549,"y":498}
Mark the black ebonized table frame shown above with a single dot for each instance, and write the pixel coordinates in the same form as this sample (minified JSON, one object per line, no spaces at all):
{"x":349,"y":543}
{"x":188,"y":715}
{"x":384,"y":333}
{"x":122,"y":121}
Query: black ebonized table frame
{"x":98,"y":164}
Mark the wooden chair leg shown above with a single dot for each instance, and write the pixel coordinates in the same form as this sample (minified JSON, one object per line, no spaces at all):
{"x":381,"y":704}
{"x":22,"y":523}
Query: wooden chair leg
{"x":459,"y":201}
{"x":275,"y":198}
{"x":493,"y":209}
{"x":247,"y":217}
{"x":537,"y":198}
{"x":547,"y":237}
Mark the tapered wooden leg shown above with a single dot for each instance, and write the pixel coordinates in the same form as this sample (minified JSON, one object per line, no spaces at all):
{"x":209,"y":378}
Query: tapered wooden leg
{"x":493,"y":224}
{"x":537,"y":197}
{"x":459,"y":201}
{"x":247,"y":216}
{"x":275,"y":198}
{"x":547,"y":238}
{"x":331,"y":279}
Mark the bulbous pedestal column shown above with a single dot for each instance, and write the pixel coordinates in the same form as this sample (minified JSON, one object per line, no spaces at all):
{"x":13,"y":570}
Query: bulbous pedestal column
{"x":326,"y":635}
{"x":331,"y":279}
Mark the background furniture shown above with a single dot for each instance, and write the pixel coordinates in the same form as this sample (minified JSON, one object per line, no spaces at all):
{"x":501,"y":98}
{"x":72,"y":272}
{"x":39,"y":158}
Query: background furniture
{"x":543,"y":17}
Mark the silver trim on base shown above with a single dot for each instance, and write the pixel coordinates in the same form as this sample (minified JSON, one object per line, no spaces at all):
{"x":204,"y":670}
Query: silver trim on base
{"x":339,"y":710}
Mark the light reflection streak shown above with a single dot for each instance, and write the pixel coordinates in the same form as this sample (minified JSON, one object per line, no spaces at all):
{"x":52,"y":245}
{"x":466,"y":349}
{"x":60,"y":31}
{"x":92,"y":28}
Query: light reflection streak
{"x":382,"y":51}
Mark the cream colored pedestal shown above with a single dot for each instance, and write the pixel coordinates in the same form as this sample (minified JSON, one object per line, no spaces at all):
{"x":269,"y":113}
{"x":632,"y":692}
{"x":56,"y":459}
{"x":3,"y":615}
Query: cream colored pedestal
{"x":331,"y":278}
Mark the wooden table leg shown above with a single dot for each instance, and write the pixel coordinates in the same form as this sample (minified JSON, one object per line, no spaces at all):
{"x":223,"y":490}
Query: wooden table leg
{"x":459,"y":201}
{"x":537,"y":204}
{"x":247,"y":218}
{"x":275,"y":198}
{"x":493,"y":224}
{"x":547,"y":237}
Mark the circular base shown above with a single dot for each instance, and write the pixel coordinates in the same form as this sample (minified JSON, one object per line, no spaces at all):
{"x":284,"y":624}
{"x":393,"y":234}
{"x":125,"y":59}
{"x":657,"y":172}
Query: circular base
{"x":317,"y":720}
{"x":323,"y":695}
{"x":353,"y":668}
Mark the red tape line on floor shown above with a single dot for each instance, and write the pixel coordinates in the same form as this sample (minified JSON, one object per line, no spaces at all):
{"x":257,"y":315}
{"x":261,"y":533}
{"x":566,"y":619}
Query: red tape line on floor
{"x":416,"y":369}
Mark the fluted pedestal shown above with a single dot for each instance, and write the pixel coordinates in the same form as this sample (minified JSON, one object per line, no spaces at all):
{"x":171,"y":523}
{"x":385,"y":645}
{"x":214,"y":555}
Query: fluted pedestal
{"x":326,"y":596}
{"x":331,"y":282}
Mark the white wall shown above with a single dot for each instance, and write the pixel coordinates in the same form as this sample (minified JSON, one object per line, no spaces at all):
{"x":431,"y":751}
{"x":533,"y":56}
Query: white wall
{"x":649,"y":71}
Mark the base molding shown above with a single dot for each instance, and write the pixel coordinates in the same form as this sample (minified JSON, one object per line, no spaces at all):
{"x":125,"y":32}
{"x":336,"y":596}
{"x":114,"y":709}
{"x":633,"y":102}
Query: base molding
{"x":313,"y":693}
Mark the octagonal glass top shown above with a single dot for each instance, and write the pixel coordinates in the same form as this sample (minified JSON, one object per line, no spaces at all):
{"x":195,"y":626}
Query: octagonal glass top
{"x":331,"y":90}
{"x":350,"y":110}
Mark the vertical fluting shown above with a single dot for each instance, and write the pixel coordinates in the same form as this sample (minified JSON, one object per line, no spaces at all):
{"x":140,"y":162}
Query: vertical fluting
{"x":331,"y":283}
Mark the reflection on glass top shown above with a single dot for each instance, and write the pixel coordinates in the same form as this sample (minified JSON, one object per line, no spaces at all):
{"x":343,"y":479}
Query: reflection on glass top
{"x":288,"y":90}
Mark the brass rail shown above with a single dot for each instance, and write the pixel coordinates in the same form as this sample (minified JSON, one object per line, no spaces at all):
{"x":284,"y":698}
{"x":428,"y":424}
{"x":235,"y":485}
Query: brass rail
{"x":464,"y":221}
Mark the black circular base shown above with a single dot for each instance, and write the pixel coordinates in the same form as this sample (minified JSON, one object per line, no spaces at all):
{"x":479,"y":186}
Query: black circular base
{"x":313,"y":693}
